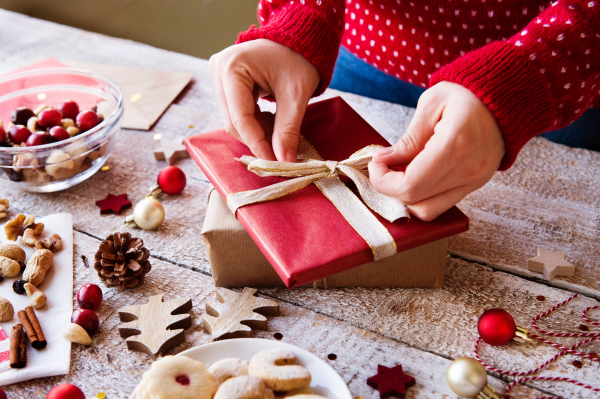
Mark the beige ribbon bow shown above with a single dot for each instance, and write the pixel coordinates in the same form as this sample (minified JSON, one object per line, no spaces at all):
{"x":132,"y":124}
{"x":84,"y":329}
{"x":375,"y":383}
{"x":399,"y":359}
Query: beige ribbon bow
{"x":311,"y":168}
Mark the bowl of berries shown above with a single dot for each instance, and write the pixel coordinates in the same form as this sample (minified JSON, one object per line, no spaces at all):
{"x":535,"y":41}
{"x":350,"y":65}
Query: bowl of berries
{"x":57,"y":127}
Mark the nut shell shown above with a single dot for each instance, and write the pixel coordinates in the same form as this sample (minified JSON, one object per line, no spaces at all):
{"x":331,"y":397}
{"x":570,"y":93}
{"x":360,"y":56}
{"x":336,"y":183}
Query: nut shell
{"x":12,"y":251}
{"x":37,"y":266}
{"x":6,"y":310}
{"x":9,"y":267}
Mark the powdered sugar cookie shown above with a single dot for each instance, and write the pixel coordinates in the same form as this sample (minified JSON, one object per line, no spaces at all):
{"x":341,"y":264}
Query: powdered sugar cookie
{"x":228,"y":368}
{"x":278,"y":369}
{"x":307,"y":397}
{"x":245,"y":387}
{"x":305,"y":390}
{"x":176,"y":377}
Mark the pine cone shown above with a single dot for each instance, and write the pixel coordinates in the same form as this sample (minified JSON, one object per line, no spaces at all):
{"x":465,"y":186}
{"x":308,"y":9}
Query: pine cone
{"x":122,"y":261}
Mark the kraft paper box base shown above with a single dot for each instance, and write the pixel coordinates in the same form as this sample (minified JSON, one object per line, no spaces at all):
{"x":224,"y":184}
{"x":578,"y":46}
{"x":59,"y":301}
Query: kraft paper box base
{"x":236,"y":261}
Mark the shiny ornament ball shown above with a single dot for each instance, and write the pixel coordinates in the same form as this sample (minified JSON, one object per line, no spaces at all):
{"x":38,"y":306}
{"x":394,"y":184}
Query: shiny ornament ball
{"x":148,"y":214}
{"x":171,"y":180}
{"x":65,"y":391}
{"x":496,"y":327}
{"x":466,"y":377}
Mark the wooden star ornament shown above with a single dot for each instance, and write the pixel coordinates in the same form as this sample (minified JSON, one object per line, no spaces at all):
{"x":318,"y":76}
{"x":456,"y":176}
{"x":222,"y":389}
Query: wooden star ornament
{"x":170,"y":150}
{"x":391,"y":381}
{"x":113,"y":204}
{"x":550,"y":263}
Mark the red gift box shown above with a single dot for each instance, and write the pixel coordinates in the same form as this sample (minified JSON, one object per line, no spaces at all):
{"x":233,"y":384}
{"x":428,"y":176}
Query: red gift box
{"x":302,"y":234}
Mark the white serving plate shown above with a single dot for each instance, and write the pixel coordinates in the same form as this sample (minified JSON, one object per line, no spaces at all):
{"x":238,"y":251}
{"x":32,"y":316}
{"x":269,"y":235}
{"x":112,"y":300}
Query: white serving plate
{"x":325,"y":381}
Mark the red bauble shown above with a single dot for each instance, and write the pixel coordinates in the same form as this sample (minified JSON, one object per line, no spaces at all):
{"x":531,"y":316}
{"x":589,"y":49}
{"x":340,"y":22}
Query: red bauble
{"x":171,"y":180}
{"x":65,"y":391}
{"x":2,"y":394}
{"x":496,"y":327}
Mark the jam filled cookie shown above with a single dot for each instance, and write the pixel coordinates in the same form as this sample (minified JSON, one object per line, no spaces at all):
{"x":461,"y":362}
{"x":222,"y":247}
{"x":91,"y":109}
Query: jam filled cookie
{"x":278,"y":369}
{"x":228,"y":368}
{"x":244,"y":387}
{"x":176,"y":377}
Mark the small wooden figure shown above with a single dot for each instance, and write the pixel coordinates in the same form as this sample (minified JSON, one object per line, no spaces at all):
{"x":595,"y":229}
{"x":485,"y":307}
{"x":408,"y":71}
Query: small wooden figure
{"x":235,"y":315}
{"x":550,"y":263}
{"x":156,"y":327}
{"x":170,"y":150}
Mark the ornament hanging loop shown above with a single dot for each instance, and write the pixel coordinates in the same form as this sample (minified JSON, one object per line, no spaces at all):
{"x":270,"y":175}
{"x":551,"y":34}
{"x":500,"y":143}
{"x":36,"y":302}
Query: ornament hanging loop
{"x":155,"y":192}
{"x":488,"y":392}
{"x":521,"y":336}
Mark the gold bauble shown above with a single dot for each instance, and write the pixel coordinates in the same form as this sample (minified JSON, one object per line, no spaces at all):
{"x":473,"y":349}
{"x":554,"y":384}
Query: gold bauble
{"x":148,"y":214}
{"x":466,"y":377}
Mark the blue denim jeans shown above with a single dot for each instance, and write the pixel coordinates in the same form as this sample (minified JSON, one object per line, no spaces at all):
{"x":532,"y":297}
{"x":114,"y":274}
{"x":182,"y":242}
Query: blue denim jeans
{"x":351,"y":74}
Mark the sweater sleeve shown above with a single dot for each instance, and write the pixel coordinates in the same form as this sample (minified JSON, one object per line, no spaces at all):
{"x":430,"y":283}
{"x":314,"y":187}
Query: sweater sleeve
{"x":543,"y":78}
{"x":313,"y":28}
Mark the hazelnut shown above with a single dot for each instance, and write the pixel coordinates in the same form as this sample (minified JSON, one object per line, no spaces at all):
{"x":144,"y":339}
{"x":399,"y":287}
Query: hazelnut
{"x":67,"y":122}
{"x":60,"y":166}
{"x":37,"y":298}
{"x":33,"y":125}
{"x":73,"y":131}
{"x":40,"y":108}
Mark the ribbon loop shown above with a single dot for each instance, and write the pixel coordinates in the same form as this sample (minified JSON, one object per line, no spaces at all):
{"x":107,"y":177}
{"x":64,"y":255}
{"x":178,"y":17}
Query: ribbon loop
{"x":325,"y":175}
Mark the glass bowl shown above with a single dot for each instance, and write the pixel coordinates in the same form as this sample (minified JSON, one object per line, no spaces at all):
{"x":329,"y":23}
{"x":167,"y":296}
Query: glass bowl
{"x":63,"y":164}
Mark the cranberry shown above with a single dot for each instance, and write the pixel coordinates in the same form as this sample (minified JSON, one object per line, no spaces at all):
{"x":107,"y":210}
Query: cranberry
{"x":86,"y":319}
{"x":2,"y":140}
{"x":39,"y":138}
{"x":21,"y":115}
{"x":2,"y":393}
{"x":49,"y":117}
{"x":59,"y":133}
{"x":68,"y":109}
{"x":65,"y":391}
{"x":86,"y":120}
{"x":183,"y":379}
{"x":89,"y":296}
{"x":18,"y":134}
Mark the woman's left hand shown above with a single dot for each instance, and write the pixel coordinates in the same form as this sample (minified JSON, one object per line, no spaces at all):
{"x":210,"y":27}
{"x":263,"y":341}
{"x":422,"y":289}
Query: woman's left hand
{"x":452,"y":147}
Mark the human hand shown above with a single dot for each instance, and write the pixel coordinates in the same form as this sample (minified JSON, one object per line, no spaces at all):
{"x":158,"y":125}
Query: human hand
{"x":452,"y":147}
{"x":246,"y":71}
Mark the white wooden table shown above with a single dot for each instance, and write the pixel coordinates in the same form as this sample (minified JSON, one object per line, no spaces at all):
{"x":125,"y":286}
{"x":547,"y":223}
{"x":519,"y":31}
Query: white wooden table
{"x":549,"y":198}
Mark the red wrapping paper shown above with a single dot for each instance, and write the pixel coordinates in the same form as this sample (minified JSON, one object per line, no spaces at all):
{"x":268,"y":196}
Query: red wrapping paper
{"x":302,"y":234}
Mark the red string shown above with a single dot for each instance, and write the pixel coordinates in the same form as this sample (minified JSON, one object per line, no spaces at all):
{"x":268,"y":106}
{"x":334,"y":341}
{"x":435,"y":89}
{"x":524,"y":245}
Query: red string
{"x":592,"y":336}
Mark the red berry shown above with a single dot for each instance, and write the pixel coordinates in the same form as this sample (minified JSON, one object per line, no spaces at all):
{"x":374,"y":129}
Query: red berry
{"x":49,"y":117}
{"x":65,"y":391}
{"x":39,"y":138}
{"x":496,"y":327}
{"x":89,"y":296}
{"x":68,"y":109}
{"x":2,"y":139}
{"x":59,"y":133}
{"x":87,"y":319}
{"x":86,"y":120}
{"x":21,"y":115}
{"x":171,"y":180}
{"x":183,"y":379}
{"x":18,"y":134}
{"x":2,"y":393}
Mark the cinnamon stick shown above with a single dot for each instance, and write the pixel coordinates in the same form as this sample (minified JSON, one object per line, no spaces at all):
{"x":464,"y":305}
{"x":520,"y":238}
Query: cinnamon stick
{"x":32,"y":328}
{"x":18,"y":348}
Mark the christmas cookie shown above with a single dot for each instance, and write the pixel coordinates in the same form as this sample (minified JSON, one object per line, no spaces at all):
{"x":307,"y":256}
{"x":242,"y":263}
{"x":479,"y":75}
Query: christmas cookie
{"x":307,"y":397}
{"x":228,"y":368}
{"x":176,"y":377}
{"x":245,"y":387}
{"x":278,"y":369}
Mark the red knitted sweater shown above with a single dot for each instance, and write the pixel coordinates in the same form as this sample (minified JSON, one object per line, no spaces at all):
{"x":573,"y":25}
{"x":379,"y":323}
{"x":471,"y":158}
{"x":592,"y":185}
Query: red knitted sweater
{"x":535,"y":65}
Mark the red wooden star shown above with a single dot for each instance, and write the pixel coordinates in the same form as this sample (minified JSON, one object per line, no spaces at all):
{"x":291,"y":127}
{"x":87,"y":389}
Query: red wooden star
{"x":390,"y":381}
{"x":113,"y":204}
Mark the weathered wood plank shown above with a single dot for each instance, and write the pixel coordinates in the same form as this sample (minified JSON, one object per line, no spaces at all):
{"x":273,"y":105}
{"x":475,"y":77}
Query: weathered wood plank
{"x":109,"y":367}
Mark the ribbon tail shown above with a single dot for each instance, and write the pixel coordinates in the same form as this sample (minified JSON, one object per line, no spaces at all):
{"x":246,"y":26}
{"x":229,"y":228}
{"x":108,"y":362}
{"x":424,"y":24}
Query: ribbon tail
{"x":389,"y":208}
{"x":243,"y":198}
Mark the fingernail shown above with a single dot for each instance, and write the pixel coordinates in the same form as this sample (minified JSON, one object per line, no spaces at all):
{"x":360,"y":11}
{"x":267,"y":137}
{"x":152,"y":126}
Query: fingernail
{"x":384,"y":151}
{"x":289,"y":156}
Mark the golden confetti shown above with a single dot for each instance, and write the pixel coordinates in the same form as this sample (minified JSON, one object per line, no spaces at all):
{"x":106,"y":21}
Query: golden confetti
{"x":42,"y":96}
{"x":135,"y":97}
{"x":191,"y":126}
{"x":157,"y":136}
{"x":105,"y":168}
{"x":101,"y":395}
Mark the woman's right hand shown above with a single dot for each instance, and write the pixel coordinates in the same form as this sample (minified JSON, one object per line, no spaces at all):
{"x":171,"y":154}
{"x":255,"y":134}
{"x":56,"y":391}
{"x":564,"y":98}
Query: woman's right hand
{"x":246,"y":71}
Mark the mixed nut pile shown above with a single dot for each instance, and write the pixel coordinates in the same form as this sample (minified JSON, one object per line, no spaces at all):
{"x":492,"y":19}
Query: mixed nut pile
{"x":46,"y":125}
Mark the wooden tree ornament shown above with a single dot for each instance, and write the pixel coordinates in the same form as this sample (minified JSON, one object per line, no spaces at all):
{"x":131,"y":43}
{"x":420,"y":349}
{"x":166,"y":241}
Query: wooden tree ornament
{"x":550,"y":263}
{"x":235,"y":315}
{"x":156,"y":327}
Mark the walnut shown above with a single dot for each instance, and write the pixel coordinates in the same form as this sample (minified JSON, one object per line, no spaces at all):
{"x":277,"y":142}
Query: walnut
{"x":26,"y":163}
{"x":53,"y":243}
{"x":3,"y":207}
{"x":24,"y":160}
{"x":16,"y":227}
